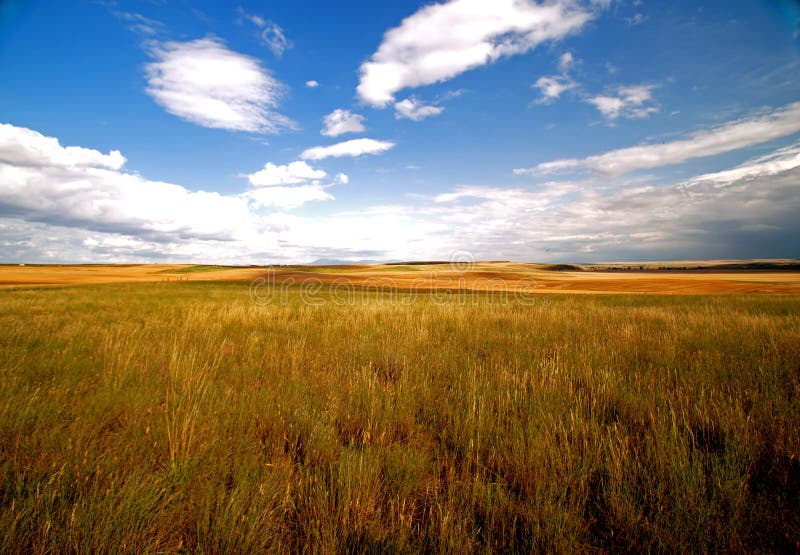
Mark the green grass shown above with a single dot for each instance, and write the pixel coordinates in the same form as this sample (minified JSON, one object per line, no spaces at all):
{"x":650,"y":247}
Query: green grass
{"x":182,"y":417}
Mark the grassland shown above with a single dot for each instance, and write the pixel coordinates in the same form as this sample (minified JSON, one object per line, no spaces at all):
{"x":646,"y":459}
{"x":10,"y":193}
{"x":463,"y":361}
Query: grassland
{"x":183,"y":417}
{"x":774,"y":277}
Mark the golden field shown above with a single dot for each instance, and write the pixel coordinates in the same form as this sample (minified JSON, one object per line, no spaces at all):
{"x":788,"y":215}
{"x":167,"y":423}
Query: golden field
{"x":477,"y":276}
{"x":168,"y":409}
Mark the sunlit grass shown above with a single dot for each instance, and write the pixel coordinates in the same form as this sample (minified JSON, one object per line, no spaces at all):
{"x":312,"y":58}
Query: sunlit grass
{"x":161,"y":417}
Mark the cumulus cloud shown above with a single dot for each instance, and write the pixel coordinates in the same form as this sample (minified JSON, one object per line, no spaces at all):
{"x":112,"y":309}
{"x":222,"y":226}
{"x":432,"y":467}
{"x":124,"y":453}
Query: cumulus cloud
{"x":413,"y":109}
{"x":312,"y":84}
{"x":206,"y":83}
{"x":270,"y":185}
{"x":631,"y":102}
{"x":728,"y":137}
{"x":340,"y":122}
{"x":43,"y":181}
{"x":441,"y":41}
{"x":354,"y":147}
{"x":287,"y":197}
{"x":295,"y":172}
{"x":23,"y":147}
{"x":76,"y":205}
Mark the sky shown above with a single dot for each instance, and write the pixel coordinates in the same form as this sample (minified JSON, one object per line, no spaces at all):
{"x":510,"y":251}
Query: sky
{"x":271,"y":132}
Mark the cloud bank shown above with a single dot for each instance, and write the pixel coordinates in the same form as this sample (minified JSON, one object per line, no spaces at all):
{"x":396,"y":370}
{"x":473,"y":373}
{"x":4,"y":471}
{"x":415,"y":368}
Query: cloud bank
{"x":63,"y":203}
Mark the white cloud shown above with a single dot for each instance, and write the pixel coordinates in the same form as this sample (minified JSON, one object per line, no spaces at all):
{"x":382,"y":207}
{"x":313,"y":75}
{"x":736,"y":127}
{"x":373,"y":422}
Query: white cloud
{"x":354,"y":147}
{"x":204,"y":82}
{"x":43,"y":181}
{"x":256,"y":20}
{"x":270,"y":34}
{"x":637,"y":19}
{"x":546,"y":168}
{"x":138,"y":23}
{"x":295,"y":172}
{"x":312,"y":84}
{"x":73,"y":204}
{"x":287,"y":197}
{"x":273,"y":37}
{"x":440,"y":41}
{"x":553,"y":87}
{"x":565,"y":62}
{"x":23,"y":147}
{"x":75,"y":186}
{"x":731,"y":136}
{"x":778,"y":162}
{"x":632,"y":102}
{"x":340,"y":122}
{"x":415,"y":110}
{"x":708,"y":216}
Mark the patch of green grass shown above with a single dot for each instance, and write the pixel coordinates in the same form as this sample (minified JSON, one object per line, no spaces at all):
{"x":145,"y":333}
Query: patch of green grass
{"x":183,"y":417}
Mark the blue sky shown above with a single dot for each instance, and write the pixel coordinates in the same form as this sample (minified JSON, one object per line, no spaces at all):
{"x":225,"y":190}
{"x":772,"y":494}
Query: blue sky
{"x":276,"y":132}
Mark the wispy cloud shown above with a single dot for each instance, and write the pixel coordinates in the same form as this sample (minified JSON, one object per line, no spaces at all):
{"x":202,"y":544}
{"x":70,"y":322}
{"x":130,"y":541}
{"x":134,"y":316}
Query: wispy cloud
{"x":630,"y":102}
{"x":565,"y":62}
{"x":731,"y":136}
{"x":553,"y":86}
{"x":354,"y":147}
{"x":270,"y":34}
{"x":636,"y":19}
{"x":139,"y":23}
{"x":206,"y":83}
{"x":415,"y":110}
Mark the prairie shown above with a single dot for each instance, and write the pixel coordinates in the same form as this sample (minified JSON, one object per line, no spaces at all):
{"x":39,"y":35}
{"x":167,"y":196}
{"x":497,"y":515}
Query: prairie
{"x":705,"y":278}
{"x":183,"y":416}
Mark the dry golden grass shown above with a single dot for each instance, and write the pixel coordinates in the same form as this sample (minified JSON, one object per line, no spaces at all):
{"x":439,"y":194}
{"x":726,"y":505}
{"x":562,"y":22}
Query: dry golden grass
{"x":41,"y":275}
{"x":481,"y":276}
{"x":183,"y":417}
